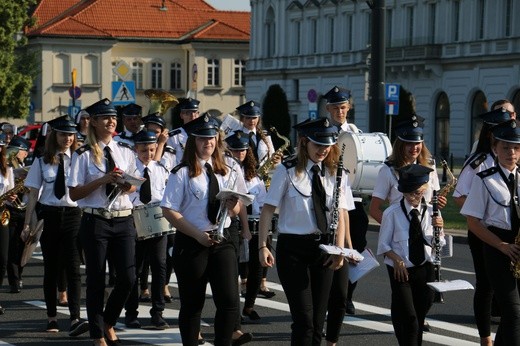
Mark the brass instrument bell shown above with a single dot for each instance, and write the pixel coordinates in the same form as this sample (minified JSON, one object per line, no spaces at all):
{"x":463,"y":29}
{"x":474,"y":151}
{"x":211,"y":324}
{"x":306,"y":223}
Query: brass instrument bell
{"x":160,"y":101}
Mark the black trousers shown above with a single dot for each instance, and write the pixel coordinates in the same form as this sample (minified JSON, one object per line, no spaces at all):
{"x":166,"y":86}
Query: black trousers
{"x":342,"y":289}
{"x":196,"y":265}
{"x":4,"y":250}
{"x":505,"y":286}
{"x":155,"y":250}
{"x":306,"y":283}
{"x":169,"y":256}
{"x":98,"y":237}
{"x":59,"y":243}
{"x":254,"y":273}
{"x":483,"y":297}
{"x":411,"y":301}
{"x":16,"y":246}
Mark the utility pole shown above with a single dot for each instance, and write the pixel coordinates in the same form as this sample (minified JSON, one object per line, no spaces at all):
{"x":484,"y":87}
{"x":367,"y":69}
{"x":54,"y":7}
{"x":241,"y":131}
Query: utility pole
{"x":377,"y":116}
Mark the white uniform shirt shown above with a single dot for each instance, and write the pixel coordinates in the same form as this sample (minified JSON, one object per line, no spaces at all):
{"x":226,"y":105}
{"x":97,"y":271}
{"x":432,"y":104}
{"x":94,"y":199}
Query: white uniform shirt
{"x":169,"y":158}
{"x":256,"y":187}
{"x":158,"y":178}
{"x":394,"y":232}
{"x":468,"y":173}
{"x":291,"y":193}
{"x":84,"y":170}
{"x":125,"y":137}
{"x":489,"y":199}
{"x":189,"y":196}
{"x":387,"y":181}
{"x":347,"y":127}
{"x":42,"y":176}
{"x":7,"y":182}
{"x":178,"y":143}
{"x":263,"y":150}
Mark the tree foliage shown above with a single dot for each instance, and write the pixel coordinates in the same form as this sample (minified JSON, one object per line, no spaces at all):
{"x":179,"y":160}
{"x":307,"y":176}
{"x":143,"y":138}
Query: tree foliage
{"x":275,"y":110}
{"x":18,"y":66}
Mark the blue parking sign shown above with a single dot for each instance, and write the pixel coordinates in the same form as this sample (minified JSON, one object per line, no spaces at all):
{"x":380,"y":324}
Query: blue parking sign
{"x":392,"y":98}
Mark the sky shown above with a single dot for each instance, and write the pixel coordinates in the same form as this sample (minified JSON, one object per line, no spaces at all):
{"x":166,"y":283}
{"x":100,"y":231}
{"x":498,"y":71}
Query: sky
{"x":236,"y":5}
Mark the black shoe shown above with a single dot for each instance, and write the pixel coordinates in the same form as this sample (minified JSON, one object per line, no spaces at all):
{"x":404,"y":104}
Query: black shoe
{"x":266,"y":293}
{"x":253,"y":315}
{"x":2,"y":310}
{"x":53,"y":327}
{"x":112,"y":342}
{"x":351,"y":309}
{"x":426,"y":327}
{"x":145,"y":298}
{"x":202,"y":341}
{"x":167,"y":299}
{"x":132,"y":323}
{"x":243,"y":339}
{"x":78,"y":328}
{"x":15,"y":289}
{"x":158,"y":322}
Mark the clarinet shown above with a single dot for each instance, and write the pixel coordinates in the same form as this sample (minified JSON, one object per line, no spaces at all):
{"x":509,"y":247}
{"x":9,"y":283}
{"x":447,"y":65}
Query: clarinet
{"x":333,"y":227}
{"x":436,"y":260}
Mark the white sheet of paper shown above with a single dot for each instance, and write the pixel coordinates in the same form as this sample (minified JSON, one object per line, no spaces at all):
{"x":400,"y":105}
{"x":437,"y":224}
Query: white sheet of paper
{"x":369,"y":263}
{"x":455,"y":285}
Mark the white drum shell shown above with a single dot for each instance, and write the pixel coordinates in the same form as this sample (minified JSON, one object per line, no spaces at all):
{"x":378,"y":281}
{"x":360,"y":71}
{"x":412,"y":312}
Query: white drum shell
{"x":364,"y":155}
{"x":150,"y":222}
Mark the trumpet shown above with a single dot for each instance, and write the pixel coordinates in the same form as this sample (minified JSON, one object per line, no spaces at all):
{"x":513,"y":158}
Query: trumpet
{"x":218,"y":234}
{"x":112,"y":197}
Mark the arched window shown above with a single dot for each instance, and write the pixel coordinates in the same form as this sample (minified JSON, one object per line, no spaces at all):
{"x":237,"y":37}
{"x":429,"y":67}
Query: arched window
{"x":478,"y":106}
{"x":270,"y":32}
{"x":62,"y":69}
{"x":442,"y":126}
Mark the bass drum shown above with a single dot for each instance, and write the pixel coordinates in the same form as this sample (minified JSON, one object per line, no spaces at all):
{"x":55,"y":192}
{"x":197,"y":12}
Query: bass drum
{"x":364,"y":155}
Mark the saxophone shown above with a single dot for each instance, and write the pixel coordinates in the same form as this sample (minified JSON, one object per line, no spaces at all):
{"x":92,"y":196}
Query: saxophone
{"x":264,"y":170}
{"x":452,"y":181}
{"x":19,"y":187}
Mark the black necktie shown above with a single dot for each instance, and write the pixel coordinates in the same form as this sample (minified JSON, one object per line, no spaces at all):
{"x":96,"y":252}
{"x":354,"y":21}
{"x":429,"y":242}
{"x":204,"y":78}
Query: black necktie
{"x":318,"y":199}
{"x":213,"y":189}
{"x":110,"y":165}
{"x":59,"y":183}
{"x":415,"y":242}
{"x":145,"y":193}
{"x":252,"y":144}
{"x":515,"y":222}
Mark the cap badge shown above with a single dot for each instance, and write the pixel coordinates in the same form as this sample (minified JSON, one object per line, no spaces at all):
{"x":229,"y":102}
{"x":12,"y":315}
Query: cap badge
{"x":238,"y":135}
{"x":326,"y":123}
{"x":206,"y":118}
{"x":415,"y":124}
{"x":336,"y":89}
{"x":251,"y":104}
{"x":513,"y":124}
{"x":107,"y":102}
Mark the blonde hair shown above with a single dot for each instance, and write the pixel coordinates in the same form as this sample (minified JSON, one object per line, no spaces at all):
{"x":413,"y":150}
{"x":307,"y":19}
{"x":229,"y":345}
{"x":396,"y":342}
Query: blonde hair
{"x":329,"y":162}
{"x":92,"y":141}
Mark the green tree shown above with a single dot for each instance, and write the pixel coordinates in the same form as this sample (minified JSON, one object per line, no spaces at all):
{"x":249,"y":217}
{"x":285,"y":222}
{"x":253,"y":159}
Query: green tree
{"x":18,"y":66}
{"x":275,"y":110}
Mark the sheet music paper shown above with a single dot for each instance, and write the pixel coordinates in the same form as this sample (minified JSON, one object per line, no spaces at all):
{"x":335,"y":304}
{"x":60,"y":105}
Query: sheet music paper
{"x":245,"y":198}
{"x":455,"y":285}
{"x":369,"y":263}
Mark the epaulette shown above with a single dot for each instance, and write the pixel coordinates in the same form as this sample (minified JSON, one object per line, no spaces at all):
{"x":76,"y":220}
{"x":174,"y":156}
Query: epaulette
{"x":290,"y":161}
{"x":488,"y":172}
{"x":179,"y":166}
{"x":161,"y":164}
{"x":389,"y":163}
{"x":478,"y":160}
{"x":233,"y":158}
{"x":126,"y":145}
{"x":169,"y":149}
{"x":82,"y":149}
{"x":123,"y":135}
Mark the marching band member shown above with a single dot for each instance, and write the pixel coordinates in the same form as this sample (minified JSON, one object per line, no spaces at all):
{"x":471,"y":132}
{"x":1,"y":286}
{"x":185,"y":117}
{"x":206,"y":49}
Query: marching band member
{"x":261,"y":144}
{"x":131,"y":115}
{"x":191,"y":206}
{"x":17,"y":151}
{"x":189,"y":110}
{"x":48,"y":196}
{"x":305,"y":271}
{"x":154,"y":249}
{"x":6,"y":184}
{"x":482,"y":159}
{"x":238,"y":144}
{"x":82,"y":119}
{"x":408,"y":148}
{"x":492,"y":210}
{"x":164,"y":153}
{"x":107,"y":227}
{"x":406,"y":226}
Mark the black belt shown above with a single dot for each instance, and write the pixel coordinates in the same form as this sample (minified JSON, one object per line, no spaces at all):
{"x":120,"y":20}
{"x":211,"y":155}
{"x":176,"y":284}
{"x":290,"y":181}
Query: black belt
{"x":313,"y":236}
{"x":55,"y":209}
{"x":504,"y":234}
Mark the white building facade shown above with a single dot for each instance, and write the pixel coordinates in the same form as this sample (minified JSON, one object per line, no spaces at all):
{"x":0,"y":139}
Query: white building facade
{"x":455,"y":56}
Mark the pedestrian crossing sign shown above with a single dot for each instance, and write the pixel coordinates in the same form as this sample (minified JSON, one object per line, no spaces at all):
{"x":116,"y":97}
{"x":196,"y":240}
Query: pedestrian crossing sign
{"x":123,"y":93}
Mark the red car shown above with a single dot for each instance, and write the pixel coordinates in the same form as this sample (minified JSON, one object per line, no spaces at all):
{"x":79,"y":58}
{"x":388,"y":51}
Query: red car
{"x":30,"y":132}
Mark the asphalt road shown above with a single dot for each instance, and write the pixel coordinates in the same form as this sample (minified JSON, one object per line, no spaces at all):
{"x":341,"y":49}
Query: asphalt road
{"x":25,"y":319}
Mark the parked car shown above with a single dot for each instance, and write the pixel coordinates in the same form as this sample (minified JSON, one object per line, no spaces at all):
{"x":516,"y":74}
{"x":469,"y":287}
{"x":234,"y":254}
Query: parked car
{"x":30,"y":132}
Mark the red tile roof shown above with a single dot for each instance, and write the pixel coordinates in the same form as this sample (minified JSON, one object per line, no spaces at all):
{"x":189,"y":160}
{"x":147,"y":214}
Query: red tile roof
{"x":139,"y":19}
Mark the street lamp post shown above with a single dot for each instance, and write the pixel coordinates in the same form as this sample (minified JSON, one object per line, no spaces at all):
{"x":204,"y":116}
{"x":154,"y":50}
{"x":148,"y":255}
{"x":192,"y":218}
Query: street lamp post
{"x":377,"y":116}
